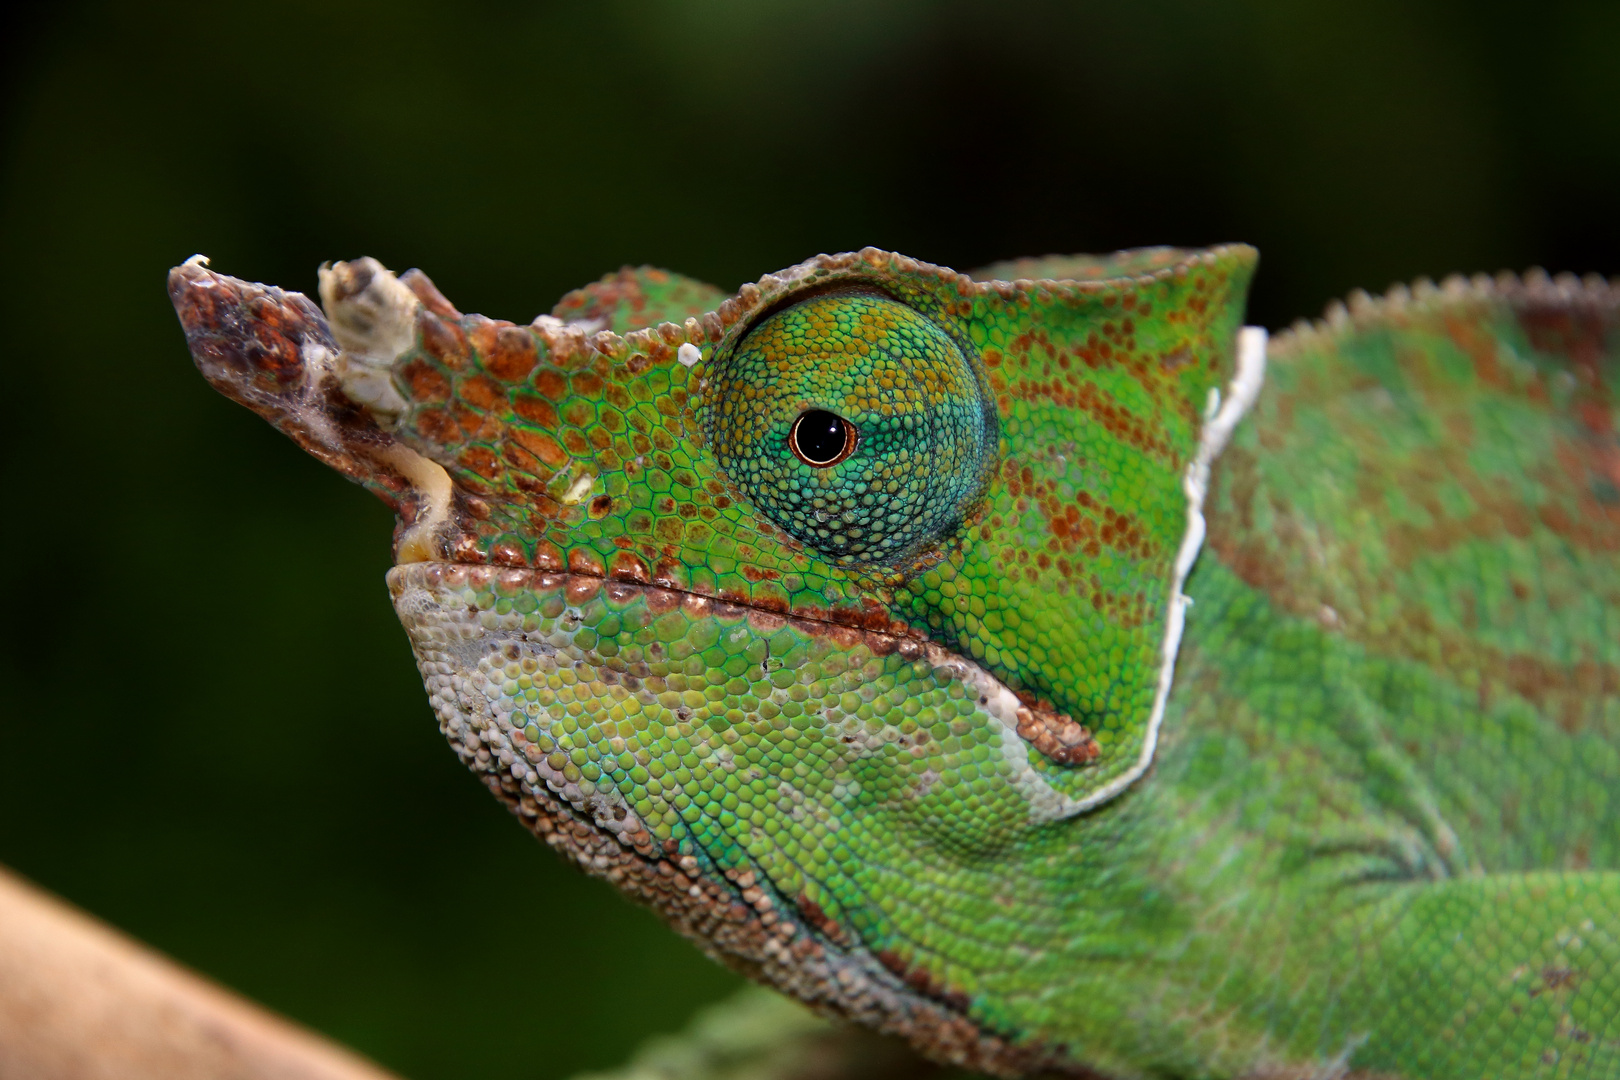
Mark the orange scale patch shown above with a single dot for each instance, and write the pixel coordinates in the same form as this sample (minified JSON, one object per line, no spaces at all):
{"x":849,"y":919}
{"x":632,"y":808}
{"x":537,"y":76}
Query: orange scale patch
{"x":436,"y":426}
{"x":442,"y":340}
{"x":512,"y":355}
{"x":481,"y":391}
{"x":536,"y":410}
{"x":551,"y":383}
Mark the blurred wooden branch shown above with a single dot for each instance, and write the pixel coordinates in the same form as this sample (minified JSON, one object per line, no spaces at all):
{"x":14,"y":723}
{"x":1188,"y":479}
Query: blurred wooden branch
{"x":79,"y":1000}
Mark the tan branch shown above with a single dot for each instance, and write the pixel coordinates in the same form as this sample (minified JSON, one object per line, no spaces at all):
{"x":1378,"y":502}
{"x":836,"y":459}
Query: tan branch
{"x":79,"y":1000}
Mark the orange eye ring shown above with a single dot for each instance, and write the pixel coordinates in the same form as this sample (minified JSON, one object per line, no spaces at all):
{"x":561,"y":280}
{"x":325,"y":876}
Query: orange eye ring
{"x":822,"y":439}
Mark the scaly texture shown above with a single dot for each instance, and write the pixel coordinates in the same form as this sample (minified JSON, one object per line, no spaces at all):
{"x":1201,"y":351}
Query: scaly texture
{"x":867,"y":712}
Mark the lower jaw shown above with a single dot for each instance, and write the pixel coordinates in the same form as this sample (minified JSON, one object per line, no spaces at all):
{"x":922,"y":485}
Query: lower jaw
{"x":469,"y":622}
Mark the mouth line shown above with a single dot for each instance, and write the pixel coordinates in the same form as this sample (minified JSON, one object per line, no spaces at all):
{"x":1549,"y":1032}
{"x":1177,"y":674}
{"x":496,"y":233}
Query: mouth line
{"x":896,"y":636}
{"x":1024,"y":728}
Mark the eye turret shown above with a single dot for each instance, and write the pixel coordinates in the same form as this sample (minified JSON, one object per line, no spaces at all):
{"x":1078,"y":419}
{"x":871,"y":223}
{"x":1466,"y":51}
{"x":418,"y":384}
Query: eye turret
{"x":856,"y":423}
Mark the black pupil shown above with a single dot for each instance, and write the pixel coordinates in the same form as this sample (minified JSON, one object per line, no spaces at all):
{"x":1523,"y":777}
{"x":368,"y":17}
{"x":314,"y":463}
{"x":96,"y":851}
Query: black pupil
{"x":820,"y":436}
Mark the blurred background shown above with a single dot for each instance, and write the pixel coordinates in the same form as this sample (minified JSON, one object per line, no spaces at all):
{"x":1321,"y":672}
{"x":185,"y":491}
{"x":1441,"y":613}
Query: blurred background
{"x":211,"y":731}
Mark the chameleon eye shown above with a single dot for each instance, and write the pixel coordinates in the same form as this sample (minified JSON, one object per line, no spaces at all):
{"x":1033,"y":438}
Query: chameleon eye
{"x":821,"y":439}
{"x":856,"y":423}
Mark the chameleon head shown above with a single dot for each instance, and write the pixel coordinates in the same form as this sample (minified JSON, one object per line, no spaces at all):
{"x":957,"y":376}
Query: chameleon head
{"x":790,"y":612}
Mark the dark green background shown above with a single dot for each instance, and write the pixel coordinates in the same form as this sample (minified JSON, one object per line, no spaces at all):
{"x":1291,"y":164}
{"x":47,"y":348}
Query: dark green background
{"x":211,"y":732}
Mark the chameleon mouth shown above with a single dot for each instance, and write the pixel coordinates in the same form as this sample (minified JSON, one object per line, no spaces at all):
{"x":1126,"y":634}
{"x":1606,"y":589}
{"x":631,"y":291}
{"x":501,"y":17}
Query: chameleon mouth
{"x":1055,"y":735}
{"x":457,"y":612}
{"x":845,"y":630}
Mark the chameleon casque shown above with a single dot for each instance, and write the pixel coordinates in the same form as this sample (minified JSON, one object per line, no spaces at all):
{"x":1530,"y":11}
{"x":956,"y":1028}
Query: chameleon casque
{"x":1029,"y":663}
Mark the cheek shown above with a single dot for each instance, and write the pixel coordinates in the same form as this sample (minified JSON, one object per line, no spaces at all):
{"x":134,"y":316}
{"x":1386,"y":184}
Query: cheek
{"x":686,"y":728}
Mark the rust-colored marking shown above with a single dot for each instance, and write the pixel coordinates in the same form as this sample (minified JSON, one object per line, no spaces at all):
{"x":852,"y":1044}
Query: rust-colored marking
{"x":512,"y":355}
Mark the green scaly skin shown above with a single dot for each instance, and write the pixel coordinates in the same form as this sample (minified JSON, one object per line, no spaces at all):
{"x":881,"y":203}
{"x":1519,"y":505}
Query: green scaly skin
{"x":898,"y":734}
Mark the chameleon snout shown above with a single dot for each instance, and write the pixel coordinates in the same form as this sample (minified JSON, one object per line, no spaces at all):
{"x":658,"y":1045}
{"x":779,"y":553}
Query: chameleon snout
{"x":323,"y":379}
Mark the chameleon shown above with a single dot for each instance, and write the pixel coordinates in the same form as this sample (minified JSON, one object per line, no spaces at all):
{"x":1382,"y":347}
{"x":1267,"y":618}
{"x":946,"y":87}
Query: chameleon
{"x":1036,"y":664}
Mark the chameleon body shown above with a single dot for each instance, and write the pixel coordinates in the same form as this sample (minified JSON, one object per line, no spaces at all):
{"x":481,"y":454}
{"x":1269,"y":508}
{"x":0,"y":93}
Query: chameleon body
{"x":853,"y":622}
